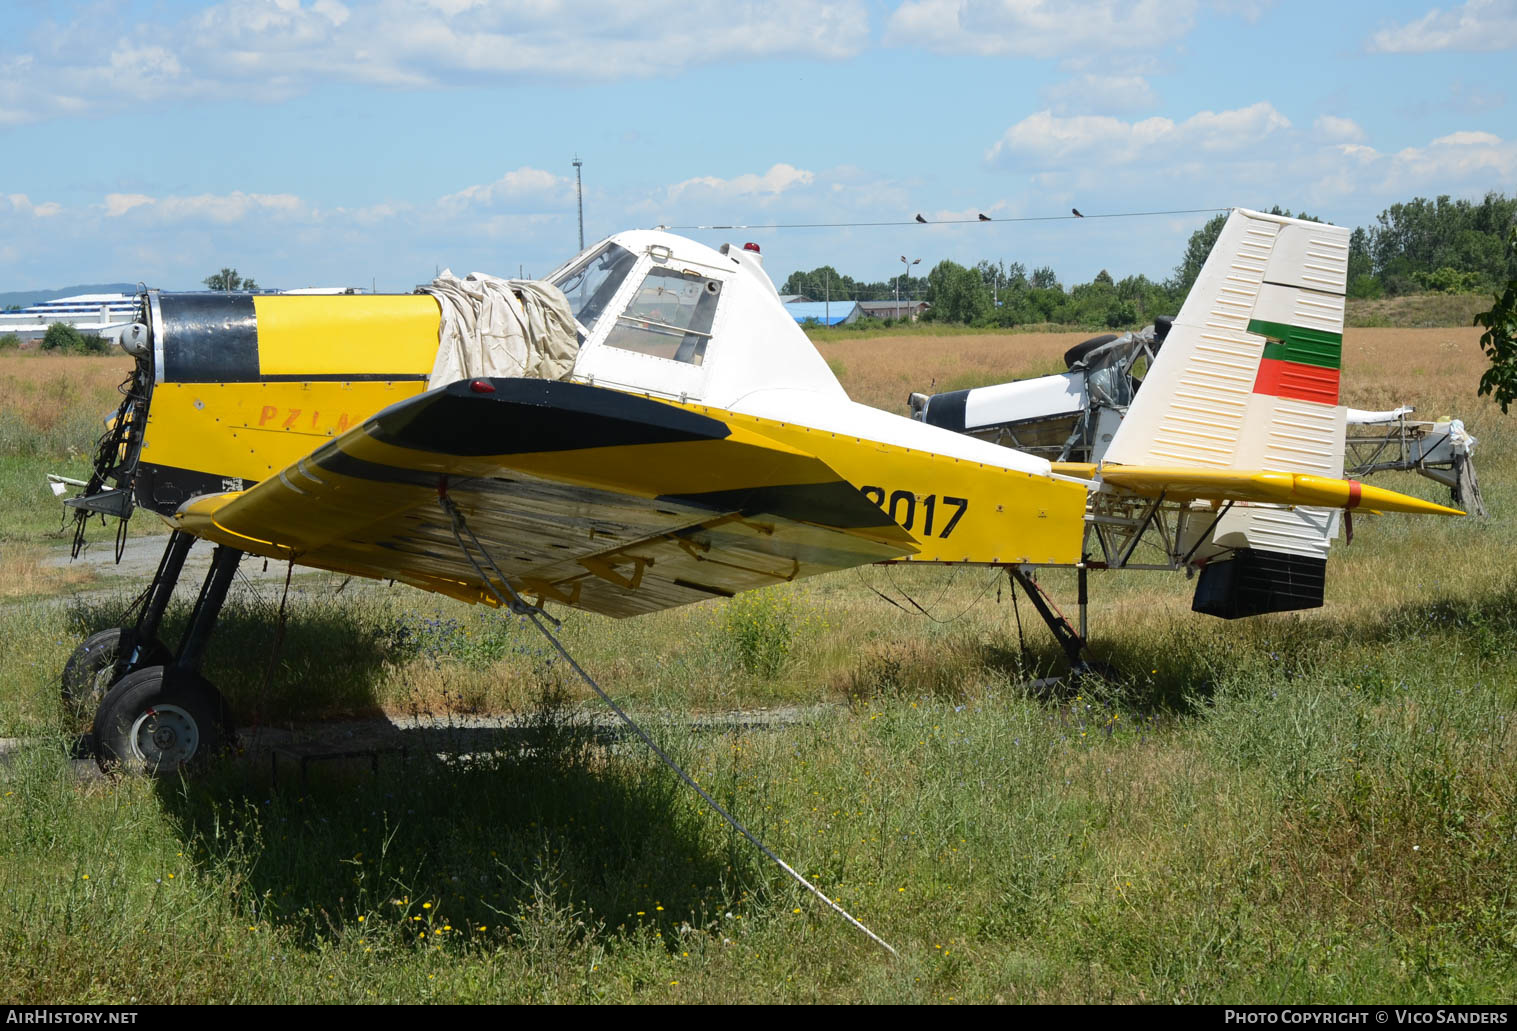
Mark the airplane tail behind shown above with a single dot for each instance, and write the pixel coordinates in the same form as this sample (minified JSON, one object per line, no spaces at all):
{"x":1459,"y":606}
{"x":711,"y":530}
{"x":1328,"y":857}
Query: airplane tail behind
{"x":1248,"y":379}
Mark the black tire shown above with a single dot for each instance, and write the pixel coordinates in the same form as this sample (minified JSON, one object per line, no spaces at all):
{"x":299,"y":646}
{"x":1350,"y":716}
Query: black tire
{"x":88,"y":674}
{"x":1084,"y":347}
{"x":157,"y":720}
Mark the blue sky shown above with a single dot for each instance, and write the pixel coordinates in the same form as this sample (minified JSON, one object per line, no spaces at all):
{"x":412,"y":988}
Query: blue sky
{"x":318,"y":142}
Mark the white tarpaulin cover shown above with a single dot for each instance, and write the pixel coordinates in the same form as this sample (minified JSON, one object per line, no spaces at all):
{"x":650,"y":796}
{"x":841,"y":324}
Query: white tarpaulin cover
{"x":501,"y":327}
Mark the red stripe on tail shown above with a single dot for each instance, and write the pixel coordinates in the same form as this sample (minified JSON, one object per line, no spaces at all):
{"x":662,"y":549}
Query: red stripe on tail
{"x":1297,"y":381}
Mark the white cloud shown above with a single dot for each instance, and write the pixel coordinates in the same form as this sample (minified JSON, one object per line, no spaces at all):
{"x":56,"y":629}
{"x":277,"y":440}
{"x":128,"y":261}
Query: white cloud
{"x":22,"y":204}
{"x":275,"y":49}
{"x":1038,"y":28}
{"x":1456,"y":158}
{"x":204,"y":207}
{"x":1467,"y":139}
{"x":1045,"y":140}
{"x":1338,"y":130}
{"x":1477,"y":25}
{"x":118,"y":204}
{"x":1099,"y":93}
{"x":519,"y":185}
{"x":777,"y":180}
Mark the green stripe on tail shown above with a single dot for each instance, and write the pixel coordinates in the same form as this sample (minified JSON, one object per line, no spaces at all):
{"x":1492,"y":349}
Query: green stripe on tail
{"x":1299,"y":344}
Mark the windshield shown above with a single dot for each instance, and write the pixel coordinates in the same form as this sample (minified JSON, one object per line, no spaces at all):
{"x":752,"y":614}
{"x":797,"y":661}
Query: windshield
{"x":669,"y":316}
{"x":591,"y":285}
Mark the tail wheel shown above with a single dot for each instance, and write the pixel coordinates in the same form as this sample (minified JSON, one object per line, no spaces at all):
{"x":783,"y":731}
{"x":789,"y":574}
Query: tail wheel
{"x":157,"y":720}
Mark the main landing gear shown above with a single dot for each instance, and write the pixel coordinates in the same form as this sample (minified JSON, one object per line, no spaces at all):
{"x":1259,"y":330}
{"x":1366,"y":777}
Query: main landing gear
{"x":153,"y":711}
{"x":1071,"y":641}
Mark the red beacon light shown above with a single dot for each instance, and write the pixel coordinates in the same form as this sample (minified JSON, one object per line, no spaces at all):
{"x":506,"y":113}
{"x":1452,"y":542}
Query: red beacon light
{"x":751,"y":246}
{"x":482,"y":386}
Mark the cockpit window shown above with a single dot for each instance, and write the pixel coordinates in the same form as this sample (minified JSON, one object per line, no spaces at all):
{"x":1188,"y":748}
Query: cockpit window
{"x":591,"y":285}
{"x":670,"y":316}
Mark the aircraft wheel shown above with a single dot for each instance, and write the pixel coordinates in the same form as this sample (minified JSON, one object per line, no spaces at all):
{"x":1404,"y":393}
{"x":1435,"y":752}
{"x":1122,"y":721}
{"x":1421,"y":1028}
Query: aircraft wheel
{"x":1084,"y":347}
{"x":157,"y":720}
{"x":88,"y":673}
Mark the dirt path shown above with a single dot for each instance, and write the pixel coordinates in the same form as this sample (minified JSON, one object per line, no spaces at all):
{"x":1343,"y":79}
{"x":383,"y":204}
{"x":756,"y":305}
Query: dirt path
{"x":140,"y":557}
{"x":298,"y":750}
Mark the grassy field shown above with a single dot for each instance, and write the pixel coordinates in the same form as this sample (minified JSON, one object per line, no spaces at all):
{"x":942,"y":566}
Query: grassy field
{"x":1417,"y":311}
{"x":1307,"y":807}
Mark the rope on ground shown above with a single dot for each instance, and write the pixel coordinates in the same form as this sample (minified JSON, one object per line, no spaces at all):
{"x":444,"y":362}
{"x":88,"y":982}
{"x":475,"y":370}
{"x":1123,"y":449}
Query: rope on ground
{"x":513,"y":601}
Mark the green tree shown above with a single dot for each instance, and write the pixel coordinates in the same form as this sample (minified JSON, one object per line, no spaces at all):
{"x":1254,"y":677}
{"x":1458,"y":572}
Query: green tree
{"x":1043,"y":278}
{"x":1421,"y":236}
{"x":228,"y":281}
{"x":957,"y":294}
{"x":1196,"y":250}
{"x":60,"y":336}
{"x":1499,"y":341}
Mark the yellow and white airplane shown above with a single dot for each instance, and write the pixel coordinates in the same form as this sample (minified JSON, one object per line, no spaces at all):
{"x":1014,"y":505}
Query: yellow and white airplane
{"x":696,"y":446}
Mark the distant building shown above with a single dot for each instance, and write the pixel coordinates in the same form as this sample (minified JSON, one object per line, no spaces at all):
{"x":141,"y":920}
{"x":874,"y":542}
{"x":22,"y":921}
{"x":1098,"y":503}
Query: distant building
{"x":823,"y":313}
{"x":794,"y":299}
{"x":902,"y":309}
{"x":102,"y":314}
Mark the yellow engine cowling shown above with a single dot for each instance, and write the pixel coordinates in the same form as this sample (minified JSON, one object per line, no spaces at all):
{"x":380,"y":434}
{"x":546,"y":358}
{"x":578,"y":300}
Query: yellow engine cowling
{"x":245,"y":384}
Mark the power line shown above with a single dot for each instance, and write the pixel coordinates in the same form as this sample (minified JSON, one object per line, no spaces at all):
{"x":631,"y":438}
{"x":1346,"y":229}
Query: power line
{"x":961,"y":221}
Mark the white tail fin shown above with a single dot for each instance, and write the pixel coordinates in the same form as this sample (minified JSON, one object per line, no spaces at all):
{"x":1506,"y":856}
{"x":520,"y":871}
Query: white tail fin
{"x":1248,"y":377}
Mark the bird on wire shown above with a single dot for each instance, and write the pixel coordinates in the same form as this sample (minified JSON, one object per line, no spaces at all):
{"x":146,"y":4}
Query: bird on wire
{"x":984,"y":217}
{"x":1076,"y":212}
{"x":921,"y":220}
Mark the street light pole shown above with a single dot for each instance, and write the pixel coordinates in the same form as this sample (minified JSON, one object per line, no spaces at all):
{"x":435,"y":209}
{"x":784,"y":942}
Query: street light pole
{"x":906,"y":272}
{"x":579,"y":192}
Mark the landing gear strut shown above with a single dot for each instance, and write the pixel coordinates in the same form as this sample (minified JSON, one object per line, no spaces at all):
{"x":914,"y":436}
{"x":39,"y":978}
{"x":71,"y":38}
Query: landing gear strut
{"x":154,"y":711}
{"x":1072,"y":641}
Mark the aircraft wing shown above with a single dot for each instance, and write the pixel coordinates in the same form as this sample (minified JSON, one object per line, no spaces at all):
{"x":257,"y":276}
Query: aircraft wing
{"x":601,"y":500}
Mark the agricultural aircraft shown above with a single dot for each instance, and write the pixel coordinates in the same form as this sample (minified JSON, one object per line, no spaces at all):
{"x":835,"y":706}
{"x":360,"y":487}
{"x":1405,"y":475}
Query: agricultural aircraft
{"x":654,"y":429}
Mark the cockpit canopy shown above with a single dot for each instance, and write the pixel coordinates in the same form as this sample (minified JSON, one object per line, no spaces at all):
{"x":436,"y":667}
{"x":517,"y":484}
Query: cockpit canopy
{"x":665,"y":315}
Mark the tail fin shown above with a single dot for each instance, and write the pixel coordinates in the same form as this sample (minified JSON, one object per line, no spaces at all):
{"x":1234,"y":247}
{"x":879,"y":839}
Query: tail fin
{"x":1248,"y":377}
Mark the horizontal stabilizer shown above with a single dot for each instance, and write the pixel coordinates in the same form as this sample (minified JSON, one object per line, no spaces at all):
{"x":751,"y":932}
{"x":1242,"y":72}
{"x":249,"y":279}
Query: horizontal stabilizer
{"x":1178,"y":483}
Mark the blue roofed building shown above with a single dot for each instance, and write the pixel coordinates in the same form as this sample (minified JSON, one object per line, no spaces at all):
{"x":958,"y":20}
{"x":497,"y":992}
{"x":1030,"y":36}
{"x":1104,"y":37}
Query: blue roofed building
{"x":824,"y":313}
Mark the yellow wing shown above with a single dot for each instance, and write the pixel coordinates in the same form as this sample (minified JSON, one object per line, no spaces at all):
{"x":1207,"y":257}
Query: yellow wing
{"x":596,"y":499}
